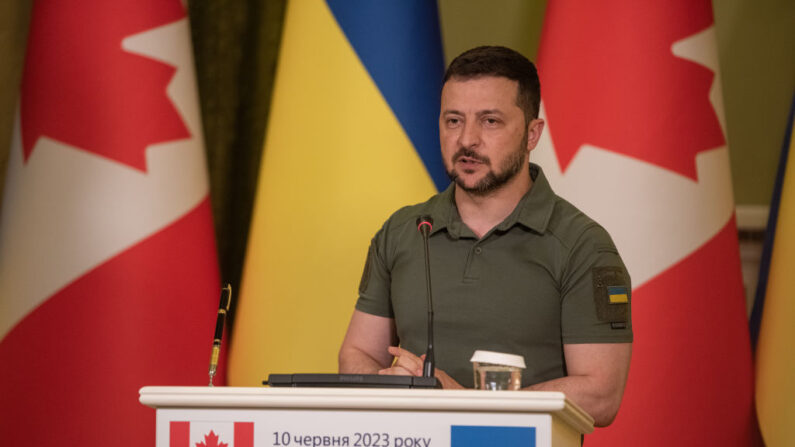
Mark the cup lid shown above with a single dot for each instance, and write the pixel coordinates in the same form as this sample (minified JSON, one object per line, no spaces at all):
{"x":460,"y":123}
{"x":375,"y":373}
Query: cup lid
{"x":498,"y":358}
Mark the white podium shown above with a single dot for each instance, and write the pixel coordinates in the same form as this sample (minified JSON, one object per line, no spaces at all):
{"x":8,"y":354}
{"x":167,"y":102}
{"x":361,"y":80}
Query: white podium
{"x":311,"y":417}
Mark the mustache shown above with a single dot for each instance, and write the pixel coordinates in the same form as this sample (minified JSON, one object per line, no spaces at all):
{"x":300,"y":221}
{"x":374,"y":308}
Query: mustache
{"x":469,"y":153}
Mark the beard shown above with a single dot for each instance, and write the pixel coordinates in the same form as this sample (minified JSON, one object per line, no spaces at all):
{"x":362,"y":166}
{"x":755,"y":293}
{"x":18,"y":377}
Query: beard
{"x":492,"y":181}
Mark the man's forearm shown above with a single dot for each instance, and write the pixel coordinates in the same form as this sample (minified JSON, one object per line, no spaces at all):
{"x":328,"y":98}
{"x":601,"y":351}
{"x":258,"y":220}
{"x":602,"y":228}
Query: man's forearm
{"x":355,"y":361}
{"x":599,"y":400}
{"x":364,"y":349}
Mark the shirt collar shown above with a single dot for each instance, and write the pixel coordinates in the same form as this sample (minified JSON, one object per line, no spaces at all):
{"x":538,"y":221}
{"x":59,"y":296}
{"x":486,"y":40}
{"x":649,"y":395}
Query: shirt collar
{"x":533,"y":210}
{"x":445,"y":213}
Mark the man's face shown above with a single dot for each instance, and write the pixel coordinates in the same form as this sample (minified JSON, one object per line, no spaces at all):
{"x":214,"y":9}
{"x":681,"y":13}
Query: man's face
{"x":483,"y":133}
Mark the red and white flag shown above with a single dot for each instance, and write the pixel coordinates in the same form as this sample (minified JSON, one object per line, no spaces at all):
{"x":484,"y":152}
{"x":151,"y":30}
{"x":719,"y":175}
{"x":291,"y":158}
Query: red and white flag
{"x":210,"y":434}
{"x":636,"y":139}
{"x":108,"y":271}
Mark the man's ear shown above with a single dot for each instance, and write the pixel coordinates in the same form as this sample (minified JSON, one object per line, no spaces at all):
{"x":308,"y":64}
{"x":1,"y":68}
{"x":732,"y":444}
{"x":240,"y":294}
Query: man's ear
{"x":534,"y":130}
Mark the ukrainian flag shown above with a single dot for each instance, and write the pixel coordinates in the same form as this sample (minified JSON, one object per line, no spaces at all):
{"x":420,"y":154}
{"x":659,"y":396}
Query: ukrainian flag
{"x":352,"y":137}
{"x":775,"y":303}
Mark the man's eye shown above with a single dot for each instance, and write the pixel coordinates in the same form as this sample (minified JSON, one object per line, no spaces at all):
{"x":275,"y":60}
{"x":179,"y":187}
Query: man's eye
{"x":491,"y":121}
{"x":452,"y":121}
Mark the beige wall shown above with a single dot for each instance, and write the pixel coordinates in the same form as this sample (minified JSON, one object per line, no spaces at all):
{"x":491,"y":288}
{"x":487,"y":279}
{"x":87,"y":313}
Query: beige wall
{"x":755,"y":39}
{"x":14,"y":18}
{"x":511,"y":23}
{"x":756,"y":46}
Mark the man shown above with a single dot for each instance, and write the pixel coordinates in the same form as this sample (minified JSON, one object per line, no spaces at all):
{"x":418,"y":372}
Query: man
{"x":515,"y":268}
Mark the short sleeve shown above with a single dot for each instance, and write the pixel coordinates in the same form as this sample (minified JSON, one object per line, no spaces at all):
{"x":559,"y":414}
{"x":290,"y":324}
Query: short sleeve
{"x":374,"y":288}
{"x":596,"y":292}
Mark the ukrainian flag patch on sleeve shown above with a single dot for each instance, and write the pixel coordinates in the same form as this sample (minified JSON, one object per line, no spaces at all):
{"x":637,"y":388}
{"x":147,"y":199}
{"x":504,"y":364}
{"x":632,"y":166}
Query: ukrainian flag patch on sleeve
{"x":617,"y":295}
{"x":611,"y":295}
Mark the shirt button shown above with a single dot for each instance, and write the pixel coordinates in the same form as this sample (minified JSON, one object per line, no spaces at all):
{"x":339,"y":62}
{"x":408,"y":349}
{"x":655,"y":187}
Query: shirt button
{"x":478,"y":250}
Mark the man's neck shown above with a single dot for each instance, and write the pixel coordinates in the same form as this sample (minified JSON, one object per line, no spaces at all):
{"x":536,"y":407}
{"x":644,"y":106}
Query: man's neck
{"x":481,"y":213}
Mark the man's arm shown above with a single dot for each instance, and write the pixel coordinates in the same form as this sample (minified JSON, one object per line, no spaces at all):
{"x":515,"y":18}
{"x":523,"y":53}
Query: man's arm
{"x":369,"y":348}
{"x":364,"y":350}
{"x":596,"y":377}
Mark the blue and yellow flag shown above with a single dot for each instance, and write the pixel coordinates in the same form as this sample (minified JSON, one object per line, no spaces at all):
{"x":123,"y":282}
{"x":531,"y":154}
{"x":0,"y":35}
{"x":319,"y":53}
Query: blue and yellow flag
{"x":775,"y":304}
{"x":352,"y":136}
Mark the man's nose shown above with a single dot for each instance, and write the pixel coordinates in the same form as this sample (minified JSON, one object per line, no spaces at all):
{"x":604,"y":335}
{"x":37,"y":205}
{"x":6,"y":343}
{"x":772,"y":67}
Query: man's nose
{"x":470,"y":135}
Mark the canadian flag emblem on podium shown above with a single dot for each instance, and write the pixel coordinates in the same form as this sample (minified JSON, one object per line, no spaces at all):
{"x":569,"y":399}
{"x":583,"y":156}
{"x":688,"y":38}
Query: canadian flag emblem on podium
{"x":211,"y":434}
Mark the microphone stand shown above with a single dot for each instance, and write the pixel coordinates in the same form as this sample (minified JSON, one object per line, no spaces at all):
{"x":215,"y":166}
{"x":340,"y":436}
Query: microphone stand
{"x":425,"y":223}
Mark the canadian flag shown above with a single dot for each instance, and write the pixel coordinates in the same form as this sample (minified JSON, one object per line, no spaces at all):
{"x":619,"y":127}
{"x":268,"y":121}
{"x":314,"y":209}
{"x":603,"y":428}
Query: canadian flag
{"x":210,"y":434}
{"x":636,"y":139}
{"x":108,"y":272}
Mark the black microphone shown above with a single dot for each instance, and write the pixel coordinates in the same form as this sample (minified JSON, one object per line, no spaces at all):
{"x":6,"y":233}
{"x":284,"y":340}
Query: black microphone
{"x":424,"y":226}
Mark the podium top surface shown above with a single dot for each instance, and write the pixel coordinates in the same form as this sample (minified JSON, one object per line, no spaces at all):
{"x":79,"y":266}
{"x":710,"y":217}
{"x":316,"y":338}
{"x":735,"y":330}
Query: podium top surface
{"x":385,"y":399}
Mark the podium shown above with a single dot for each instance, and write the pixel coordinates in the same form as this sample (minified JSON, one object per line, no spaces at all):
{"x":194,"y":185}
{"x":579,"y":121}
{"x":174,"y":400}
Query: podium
{"x":355,"y":417}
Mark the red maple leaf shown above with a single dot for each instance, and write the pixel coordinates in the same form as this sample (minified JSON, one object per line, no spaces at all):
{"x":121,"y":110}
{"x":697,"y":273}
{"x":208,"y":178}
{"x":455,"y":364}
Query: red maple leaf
{"x":81,"y":88}
{"x":211,"y":440}
{"x":609,"y":79}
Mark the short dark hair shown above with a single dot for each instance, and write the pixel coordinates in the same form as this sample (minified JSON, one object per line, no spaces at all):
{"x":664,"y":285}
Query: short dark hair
{"x":502,"y":62}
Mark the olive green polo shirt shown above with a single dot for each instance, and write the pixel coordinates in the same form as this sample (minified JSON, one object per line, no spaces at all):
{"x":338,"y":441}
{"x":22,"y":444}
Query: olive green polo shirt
{"x":546,"y":276}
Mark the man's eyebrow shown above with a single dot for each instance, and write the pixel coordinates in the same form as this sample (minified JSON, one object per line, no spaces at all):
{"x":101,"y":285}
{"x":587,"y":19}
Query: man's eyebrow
{"x":479,"y":112}
{"x":489,"y":112}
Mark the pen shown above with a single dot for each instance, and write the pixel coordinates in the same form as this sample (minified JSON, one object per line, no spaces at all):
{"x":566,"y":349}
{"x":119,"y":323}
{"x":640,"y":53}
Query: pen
{"x":223,"y":308}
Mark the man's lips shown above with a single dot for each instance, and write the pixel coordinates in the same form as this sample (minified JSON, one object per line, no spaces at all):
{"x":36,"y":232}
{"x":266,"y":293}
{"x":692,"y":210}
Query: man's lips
{"x":469,"y":160}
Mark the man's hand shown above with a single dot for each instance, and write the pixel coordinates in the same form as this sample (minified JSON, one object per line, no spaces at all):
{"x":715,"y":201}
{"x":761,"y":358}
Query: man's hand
{"x":369,"y":348}
{"x":404,"y":364}
{"x":407,"y":364}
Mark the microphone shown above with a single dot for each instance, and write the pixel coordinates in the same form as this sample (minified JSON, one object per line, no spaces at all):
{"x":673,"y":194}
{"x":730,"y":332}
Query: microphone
{"x":424,"y":226}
